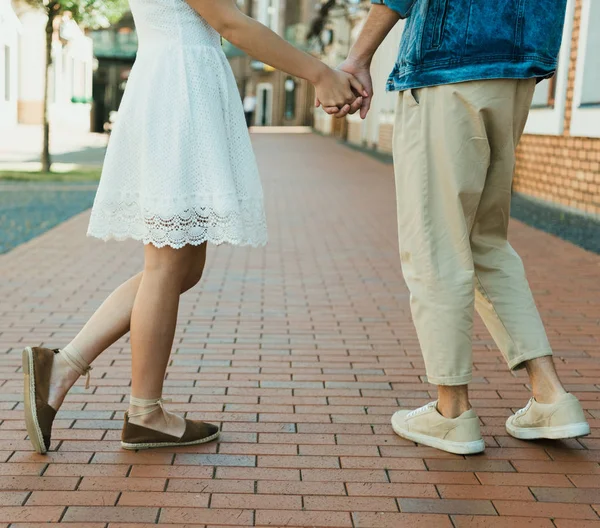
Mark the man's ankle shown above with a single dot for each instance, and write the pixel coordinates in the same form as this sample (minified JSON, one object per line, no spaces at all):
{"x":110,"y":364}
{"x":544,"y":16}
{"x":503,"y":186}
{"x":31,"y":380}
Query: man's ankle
{"x":453,"y":400}
{"x":548,"y":395}
{"x":453,"y":409}
{"x":545,"y":383}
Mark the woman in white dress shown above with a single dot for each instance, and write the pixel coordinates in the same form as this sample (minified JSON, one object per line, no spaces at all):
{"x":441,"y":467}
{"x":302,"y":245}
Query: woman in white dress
{"x":179,"y":172}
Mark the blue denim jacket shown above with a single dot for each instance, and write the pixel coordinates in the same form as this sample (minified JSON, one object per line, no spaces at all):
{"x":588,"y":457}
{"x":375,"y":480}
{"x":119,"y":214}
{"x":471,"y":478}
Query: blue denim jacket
{"x":450,"y":41}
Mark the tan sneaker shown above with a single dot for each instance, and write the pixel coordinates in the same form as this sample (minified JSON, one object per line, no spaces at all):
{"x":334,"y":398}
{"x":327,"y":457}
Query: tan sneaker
{"x":427,"y":426}
{"x":561,"y":419}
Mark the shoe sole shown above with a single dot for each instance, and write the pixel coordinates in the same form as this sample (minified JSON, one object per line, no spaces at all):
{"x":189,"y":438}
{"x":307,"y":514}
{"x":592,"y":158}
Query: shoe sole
{"x":457,"y":448}
{"x":31,"y":419}
{"x":140,"y":446}
{"x":549,"y":433}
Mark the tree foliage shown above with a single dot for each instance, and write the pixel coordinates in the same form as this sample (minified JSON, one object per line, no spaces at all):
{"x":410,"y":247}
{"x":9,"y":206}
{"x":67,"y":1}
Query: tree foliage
{"x":88,"y":13}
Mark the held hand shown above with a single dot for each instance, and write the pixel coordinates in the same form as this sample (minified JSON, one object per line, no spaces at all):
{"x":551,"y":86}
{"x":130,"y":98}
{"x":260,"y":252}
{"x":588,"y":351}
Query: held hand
{"x":340,"y":90}
{"x":362,"y":72}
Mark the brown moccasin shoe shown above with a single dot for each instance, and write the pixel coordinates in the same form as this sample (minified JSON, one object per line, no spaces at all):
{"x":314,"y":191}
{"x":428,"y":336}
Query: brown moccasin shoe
{"x":139,"y":437}
{"x":39,"y":416}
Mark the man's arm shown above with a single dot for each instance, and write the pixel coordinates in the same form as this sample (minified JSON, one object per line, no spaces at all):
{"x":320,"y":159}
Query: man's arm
{"x":380,"y":21}
{"x":402,"y":7}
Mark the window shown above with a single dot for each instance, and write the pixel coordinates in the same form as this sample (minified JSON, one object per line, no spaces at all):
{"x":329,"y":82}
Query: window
{"x":550,"y":98}
{"x":590,"y":89}
{"x":268,"y":14}
{"x":7,"y":78}
{"x":585,"y":120}
{"x":545,"y":94}
{"x":290,"y":98}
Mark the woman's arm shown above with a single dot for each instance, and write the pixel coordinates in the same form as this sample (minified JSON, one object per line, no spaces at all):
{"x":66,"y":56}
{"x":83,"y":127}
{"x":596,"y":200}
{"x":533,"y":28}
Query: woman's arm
{"x":334,"y":88}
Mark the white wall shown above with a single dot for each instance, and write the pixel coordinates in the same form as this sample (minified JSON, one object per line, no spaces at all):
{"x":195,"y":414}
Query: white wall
{"x":31,"y":56}
{"x":9,"y":28}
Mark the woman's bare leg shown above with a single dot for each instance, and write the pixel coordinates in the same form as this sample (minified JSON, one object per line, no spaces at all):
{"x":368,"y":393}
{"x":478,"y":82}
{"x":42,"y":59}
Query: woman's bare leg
{"x":108,"y":324}
{"x":153,"y":322}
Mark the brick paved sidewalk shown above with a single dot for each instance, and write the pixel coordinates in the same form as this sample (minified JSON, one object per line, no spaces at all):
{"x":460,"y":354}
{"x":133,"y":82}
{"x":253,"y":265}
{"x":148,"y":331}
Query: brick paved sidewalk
{"x":302,"y":351}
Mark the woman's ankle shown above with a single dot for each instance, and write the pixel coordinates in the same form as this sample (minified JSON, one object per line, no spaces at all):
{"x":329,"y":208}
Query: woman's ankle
{"x":62,"y":378}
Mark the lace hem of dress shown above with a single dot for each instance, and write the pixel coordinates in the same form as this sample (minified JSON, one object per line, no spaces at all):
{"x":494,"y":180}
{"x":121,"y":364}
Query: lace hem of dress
{"x":246,"y":226}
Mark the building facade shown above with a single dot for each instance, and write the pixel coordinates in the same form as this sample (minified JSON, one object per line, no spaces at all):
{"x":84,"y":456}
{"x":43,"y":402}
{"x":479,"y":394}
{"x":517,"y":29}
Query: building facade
{"x":22,"y":68}
{"x":281,"y":100}
{"x":558,"y":159}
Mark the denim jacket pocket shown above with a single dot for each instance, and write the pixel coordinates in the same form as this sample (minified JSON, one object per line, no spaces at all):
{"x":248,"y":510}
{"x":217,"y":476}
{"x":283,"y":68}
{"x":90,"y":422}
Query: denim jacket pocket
{"x":435,"y":24}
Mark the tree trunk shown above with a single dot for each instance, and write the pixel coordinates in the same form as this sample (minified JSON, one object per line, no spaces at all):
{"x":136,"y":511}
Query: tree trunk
{"x":46,"y":162}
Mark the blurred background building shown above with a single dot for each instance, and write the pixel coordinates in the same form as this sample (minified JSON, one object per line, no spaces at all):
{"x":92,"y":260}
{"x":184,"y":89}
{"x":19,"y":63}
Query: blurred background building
{"x":22,"y":61}
{"x":281,"y":99}
{"x":115,"y":49}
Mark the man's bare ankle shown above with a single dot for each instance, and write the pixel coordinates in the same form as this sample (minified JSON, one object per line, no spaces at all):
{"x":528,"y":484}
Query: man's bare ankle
{"x":548,"y":395}
{"x":454,"y":409}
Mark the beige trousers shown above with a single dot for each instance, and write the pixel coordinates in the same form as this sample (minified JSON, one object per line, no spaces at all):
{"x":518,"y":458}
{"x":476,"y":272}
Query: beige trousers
{"x":454,"y":151}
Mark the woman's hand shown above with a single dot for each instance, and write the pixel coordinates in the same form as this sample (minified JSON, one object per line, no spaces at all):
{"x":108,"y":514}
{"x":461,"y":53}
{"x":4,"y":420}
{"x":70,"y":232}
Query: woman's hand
{"x":337,"y":89}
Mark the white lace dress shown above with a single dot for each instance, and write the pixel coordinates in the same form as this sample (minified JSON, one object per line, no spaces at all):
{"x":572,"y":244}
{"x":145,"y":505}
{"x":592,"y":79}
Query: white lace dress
{"x":179,"y":168}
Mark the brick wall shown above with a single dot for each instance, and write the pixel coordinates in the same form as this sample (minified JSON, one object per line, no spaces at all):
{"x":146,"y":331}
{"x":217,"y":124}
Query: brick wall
{"x":562,"y":169}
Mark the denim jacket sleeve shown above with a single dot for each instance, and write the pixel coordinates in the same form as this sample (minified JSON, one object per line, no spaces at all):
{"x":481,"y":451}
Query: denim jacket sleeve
{"x":402,"y":7}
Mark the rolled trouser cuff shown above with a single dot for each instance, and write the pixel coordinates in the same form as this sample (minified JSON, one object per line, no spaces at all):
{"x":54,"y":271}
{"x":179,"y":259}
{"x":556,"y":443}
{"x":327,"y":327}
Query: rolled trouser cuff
{"x":449,"y":381}
{"x":519,"y":362}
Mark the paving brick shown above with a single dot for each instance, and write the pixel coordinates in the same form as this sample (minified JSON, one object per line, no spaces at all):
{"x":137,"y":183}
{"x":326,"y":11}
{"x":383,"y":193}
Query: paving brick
{"x":300,"y":488}
{"x":523,"y":479}
{"x":17,"y":514}
{"x":196,"y":486}
{"x":545,"y":509}
{"x":350,"y":503}
{"x":73,"y":498}
{"x":12,"y":498}
{"x":571,"y":495}
{"x":233,"y":517}
{"x":344,"y":475}
{"x":475,"y":507}
{"x":472,"y":521}
{"x":122,"y":484}
{"x":256,"y":502}
{"x":581,"y":468}
{"x":433,"y":477}
{"x":163,"y":499}
{"x":110,"y":514}
{"x":400,"y":520}
{"x":372,"y":489}
{"x":37,"y":483}
{"x":303,"y":519}
{"x":458,"y":491}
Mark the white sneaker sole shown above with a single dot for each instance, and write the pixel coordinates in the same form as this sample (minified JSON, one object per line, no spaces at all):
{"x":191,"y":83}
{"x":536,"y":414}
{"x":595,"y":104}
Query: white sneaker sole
{"x":457,"y":448}
{"x":551,"y":433}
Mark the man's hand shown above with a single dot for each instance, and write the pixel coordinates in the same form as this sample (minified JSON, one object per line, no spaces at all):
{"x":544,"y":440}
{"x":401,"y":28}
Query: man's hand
{"x":339,"y":89}
{"x":362,"y":72}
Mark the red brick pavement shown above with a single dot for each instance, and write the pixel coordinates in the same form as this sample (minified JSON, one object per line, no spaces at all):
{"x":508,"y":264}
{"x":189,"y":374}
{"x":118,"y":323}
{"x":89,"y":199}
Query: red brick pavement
{"x":301,"y":350}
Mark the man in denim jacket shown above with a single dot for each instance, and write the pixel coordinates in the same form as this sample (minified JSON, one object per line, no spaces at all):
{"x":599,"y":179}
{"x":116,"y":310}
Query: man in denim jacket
{"x":466,"y":73}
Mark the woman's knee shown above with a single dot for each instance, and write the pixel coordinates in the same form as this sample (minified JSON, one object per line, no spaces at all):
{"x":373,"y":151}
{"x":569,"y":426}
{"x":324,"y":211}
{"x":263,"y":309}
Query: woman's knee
{"x":174,"y":263}
{"x":197,"y":269}
{"x":184,"y":265}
